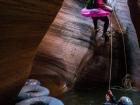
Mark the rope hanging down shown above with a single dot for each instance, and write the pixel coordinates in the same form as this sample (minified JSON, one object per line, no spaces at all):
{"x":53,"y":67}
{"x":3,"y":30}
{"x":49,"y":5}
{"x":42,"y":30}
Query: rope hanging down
{"x":124,"y":45}
{"x":125,"y":57}
{"x":127,"y":80}
{"x":111,"y":53}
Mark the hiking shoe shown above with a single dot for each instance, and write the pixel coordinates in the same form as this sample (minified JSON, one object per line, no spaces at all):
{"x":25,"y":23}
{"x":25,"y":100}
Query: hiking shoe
{"x":96,"y":30}
{"x":106,"y":37}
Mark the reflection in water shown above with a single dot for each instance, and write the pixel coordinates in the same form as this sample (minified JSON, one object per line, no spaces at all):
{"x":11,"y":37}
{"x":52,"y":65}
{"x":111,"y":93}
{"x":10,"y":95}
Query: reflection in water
{"x":96,"y":96}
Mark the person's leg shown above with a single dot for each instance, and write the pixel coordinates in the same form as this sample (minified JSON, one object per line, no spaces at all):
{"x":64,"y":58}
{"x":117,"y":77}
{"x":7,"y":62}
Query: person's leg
{"x":95,"y":22}
{"x":106,"y":24}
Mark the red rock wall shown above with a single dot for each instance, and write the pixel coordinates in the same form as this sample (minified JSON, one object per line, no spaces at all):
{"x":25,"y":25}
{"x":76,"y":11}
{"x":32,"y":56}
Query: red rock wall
{"x":22,"y":26}
{"x":69,"y":48}
{"x":62,"y":49}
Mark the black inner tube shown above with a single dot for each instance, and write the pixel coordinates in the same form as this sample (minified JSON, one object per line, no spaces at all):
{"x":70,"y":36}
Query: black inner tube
{"x":39,"y":103}
{"x":32,"y":91}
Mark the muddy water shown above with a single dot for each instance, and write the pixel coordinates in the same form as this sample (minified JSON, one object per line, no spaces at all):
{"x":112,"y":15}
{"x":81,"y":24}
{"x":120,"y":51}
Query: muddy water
{"x":96,"y":96}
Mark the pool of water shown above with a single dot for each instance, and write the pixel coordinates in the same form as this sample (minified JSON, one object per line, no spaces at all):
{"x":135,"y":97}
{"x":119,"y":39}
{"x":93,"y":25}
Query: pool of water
{"x":96,"y":96}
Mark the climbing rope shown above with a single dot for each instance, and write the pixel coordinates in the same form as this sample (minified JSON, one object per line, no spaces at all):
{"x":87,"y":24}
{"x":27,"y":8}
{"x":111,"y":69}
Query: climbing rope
{"x":127,"y":81}
{"x":124,"y":45}
{"x":111,"y":53}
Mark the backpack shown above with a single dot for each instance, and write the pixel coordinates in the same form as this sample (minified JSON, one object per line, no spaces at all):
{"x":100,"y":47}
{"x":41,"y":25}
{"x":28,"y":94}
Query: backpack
{"x":89,"y":4}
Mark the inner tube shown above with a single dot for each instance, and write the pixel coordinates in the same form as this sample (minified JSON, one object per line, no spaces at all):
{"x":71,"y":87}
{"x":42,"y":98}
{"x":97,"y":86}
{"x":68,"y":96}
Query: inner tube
{"x":32,"y":82}
{"x":44,"y":100}
{"x":94,"y":12}
{"x":125,"y":101}
{"x":30,"y":91}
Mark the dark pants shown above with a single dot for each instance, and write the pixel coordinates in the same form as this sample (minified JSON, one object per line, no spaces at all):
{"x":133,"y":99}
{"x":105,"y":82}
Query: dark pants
{"x":106,"y":23}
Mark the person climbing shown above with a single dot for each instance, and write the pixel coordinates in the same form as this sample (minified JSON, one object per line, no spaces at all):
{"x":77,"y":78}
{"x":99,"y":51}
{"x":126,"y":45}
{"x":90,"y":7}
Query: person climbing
{"x":96,"y":4}
{"x":110,"y":99}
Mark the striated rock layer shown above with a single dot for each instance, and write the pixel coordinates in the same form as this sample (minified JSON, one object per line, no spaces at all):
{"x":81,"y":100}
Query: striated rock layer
{"x":68,"y":53}
{"x":63,"y":48}
{"x":22,"y":26}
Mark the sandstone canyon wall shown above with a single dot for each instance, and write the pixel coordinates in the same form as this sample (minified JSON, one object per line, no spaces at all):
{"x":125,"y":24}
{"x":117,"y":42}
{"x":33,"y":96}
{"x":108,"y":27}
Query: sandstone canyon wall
{"x":69,"y":52}
{"x":68,"y":48}
{"x":134,"y":6}
{"x":65,"y":48}
{"x":23,"y":24}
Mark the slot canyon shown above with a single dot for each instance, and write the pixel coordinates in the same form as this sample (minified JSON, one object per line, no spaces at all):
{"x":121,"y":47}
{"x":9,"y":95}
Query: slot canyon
{"x":49,"y":40}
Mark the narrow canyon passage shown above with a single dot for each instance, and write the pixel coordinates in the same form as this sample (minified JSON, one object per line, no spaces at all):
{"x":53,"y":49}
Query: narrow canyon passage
{"x":72,"y":55}
{"x":71,"y":60}
{"x":69,"y":52}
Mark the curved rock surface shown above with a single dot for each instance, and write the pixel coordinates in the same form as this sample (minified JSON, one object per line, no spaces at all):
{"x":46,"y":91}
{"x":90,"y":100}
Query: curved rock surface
{"x":68,"y":43}
{"x":23,"y":23}
{"x":68,"y":52}
{"x":135,"y":15}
